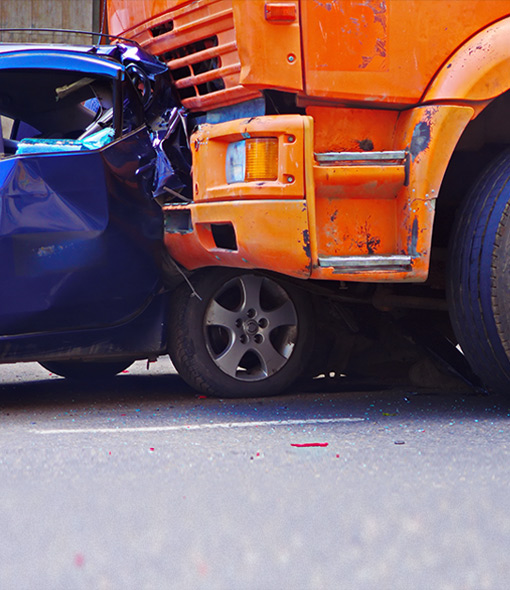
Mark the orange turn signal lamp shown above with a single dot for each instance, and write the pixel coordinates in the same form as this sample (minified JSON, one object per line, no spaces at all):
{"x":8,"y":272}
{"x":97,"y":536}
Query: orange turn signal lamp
{"x":252,"y":159}
{"x":280,"y":12}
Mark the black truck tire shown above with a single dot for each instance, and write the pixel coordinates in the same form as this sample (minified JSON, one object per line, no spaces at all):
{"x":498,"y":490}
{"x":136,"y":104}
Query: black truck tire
{"x":478,"y":288}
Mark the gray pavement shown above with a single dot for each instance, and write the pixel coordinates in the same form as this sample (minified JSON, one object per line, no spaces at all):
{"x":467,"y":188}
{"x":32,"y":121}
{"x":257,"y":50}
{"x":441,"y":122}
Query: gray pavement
{"x":143,"y":484}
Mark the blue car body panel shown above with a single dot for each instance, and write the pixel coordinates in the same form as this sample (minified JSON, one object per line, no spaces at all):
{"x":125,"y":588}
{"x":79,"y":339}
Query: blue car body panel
{"x":81,"y":237}
{"x":86,"y":238}
{"x":141,"y":336}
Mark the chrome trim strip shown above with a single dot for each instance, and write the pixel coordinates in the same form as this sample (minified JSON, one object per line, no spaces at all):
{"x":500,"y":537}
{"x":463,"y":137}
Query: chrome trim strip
{"x":327,"y":157}
{"x":369,"y":262}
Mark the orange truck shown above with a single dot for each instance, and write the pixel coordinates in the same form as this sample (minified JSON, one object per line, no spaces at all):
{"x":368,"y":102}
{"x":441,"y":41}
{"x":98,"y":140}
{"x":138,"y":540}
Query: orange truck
{"x":350,"y":182}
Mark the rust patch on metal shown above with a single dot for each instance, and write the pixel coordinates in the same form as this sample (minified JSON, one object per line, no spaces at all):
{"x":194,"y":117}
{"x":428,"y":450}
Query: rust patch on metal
{"x":420,"y":140}
{"x":306,"y":243}
{"x":308,"y":251}
{"x":413,"y":239}
{"x":367,"y":145}
{"x":367,"y":242}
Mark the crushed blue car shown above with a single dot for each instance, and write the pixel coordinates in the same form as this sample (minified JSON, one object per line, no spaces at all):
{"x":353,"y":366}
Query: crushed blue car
{"x":83,"y":286}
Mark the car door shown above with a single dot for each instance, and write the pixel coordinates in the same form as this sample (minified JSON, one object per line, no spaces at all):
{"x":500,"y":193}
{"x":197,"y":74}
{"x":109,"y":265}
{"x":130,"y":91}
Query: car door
{"x":80,"y":234}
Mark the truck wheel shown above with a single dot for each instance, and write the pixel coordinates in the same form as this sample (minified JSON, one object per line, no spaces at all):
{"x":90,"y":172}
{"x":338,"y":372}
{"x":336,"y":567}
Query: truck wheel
{"x":479,"y":276}
{"x":248,"y":336}
{"x":82,"y":370}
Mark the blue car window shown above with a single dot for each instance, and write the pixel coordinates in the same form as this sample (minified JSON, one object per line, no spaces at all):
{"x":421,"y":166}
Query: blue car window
{"x":55,"y":113}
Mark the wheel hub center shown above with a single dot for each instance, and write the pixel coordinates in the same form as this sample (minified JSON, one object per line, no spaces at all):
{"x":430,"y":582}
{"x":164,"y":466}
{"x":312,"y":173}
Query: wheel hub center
{"x":251,"y":327}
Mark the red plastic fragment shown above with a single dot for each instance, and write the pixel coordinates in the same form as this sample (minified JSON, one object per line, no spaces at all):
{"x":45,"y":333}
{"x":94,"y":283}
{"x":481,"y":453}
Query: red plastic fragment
{"x":151,"y":449}
{"x":309,"y":445}
{"x":79,"y":560}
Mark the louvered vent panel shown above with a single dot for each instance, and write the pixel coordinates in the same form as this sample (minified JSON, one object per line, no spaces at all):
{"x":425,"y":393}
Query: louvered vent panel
{"x":197,"y":41}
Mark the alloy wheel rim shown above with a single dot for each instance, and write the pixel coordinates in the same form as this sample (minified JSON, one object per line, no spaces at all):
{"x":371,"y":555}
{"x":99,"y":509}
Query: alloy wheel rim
{"x":251,"y":328}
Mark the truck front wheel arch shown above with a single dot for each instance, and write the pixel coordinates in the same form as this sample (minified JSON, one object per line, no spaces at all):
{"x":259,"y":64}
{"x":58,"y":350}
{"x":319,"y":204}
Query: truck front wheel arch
{"x":478,"y":71}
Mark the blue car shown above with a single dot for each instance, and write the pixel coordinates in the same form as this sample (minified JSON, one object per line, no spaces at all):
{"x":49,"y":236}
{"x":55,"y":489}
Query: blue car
{"x":82,"y":287}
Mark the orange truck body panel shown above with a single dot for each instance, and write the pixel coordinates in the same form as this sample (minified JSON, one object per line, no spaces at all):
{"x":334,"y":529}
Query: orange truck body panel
{"x":386,"y":89}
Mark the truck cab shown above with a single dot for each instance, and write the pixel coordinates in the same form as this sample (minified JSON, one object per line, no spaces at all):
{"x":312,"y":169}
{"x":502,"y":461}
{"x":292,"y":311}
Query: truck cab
{"x":352,"y":149}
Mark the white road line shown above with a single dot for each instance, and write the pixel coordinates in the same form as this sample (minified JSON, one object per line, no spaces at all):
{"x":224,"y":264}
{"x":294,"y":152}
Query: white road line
{"x":121,"y":429}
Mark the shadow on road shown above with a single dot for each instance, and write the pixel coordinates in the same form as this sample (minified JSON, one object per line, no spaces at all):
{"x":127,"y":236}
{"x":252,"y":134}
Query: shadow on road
{"x":123,"y":388}
{"x":319,"y":399}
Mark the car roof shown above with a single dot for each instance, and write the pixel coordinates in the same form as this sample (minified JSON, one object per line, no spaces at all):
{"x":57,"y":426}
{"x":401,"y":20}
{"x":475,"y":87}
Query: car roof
{"x":107,"y":58}
{"x":57,"y":57}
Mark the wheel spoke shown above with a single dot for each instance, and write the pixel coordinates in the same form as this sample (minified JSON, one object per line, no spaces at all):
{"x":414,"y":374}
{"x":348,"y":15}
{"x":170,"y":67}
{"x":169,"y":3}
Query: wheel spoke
{"x":228,"y":361}
{"x":250,"y":286}
{"x":270,"y":359}
{"x":285,"y":315}
{"x":217,"y":315}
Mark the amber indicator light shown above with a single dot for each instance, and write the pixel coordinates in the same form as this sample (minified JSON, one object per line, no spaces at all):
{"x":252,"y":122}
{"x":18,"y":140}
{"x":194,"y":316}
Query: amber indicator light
{"x":280,"y":12}
{"x":262,"y":158}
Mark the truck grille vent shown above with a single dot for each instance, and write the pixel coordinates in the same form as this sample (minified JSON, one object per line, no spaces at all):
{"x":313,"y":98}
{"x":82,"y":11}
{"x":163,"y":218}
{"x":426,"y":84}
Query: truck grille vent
{"x":185,"y":76}
{"x":162,"y":29}
{"x":197,"y":41}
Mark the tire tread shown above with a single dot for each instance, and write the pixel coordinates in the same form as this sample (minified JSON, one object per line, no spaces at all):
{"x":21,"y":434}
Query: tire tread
{"x":471,"y":292}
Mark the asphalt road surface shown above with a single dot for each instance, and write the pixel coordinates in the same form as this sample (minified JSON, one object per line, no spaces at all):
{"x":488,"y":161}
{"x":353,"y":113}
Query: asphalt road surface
{"x":142,"y":484}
